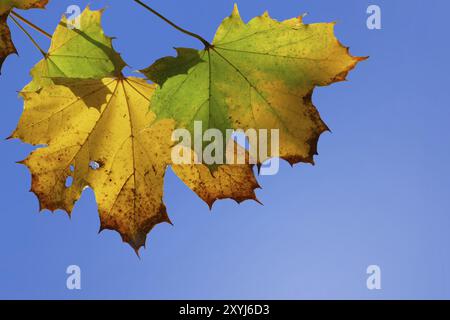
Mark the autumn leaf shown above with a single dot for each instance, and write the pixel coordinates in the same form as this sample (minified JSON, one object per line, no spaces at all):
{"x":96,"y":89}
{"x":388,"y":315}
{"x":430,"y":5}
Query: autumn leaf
{"x":117,"y":149}
{"x":82,"y":52}
{"x":259,"y":75}
{"x":6,"y":45}
{"x":7,"y":5}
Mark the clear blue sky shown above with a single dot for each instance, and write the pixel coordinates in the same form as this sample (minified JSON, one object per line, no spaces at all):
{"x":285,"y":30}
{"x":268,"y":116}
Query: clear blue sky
{"x":379,"y":194}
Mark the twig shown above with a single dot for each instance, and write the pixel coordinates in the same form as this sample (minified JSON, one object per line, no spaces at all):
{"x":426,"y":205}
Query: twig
{"x":196,"y":36}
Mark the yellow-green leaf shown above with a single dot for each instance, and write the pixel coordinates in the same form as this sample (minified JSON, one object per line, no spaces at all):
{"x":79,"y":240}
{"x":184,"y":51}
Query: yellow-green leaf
{"x":256,"y":75}
{"x":82,"y":52}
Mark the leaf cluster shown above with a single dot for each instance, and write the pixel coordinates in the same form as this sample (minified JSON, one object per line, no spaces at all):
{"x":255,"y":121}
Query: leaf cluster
{"x":97,"y":128}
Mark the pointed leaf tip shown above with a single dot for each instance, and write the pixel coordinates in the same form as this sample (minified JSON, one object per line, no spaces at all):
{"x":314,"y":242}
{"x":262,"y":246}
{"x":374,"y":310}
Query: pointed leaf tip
{"x":235,"y":13}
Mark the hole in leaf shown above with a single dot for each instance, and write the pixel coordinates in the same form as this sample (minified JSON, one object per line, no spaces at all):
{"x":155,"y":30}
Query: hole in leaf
{"x":72,"y":168}
{"x":69,"y":181}
{"x":94,"y":165}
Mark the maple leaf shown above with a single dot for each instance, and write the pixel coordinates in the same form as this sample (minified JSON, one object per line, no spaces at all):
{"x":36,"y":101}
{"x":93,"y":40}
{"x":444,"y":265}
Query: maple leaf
{"x":84,"y":52}
{"x":259,"y":75}
{"x":117,"y":149}
{"x":6,"y":45}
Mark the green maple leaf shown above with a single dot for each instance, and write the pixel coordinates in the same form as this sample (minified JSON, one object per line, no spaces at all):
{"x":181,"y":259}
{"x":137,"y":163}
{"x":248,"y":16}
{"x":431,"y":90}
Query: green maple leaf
{"x":258,"y":75}
{"x":81,"y":52}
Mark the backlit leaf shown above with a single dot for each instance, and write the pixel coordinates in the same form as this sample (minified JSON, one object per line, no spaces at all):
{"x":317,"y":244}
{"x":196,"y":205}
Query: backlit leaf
{"x":82,"y":53}
{"x":259,"y":75}
{"x":117,"y":149}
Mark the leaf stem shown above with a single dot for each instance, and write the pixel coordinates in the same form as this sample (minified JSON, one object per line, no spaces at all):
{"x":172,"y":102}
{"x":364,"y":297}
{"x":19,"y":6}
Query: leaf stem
{"x":29,"y":23}
{"x":28,"y":35}
{"x":194,"y":35}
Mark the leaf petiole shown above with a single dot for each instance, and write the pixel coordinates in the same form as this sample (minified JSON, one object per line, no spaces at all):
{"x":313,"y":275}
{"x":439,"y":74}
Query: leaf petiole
{"x":194,"y":35}
{"x":29,"y":23}
{"x":28,"y":35}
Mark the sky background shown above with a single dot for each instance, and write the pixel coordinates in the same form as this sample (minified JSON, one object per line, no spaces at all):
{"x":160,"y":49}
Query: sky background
{"x":379,"y":193}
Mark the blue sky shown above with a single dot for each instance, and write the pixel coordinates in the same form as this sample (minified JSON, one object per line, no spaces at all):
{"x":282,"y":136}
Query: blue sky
{"x":379,"y":193}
